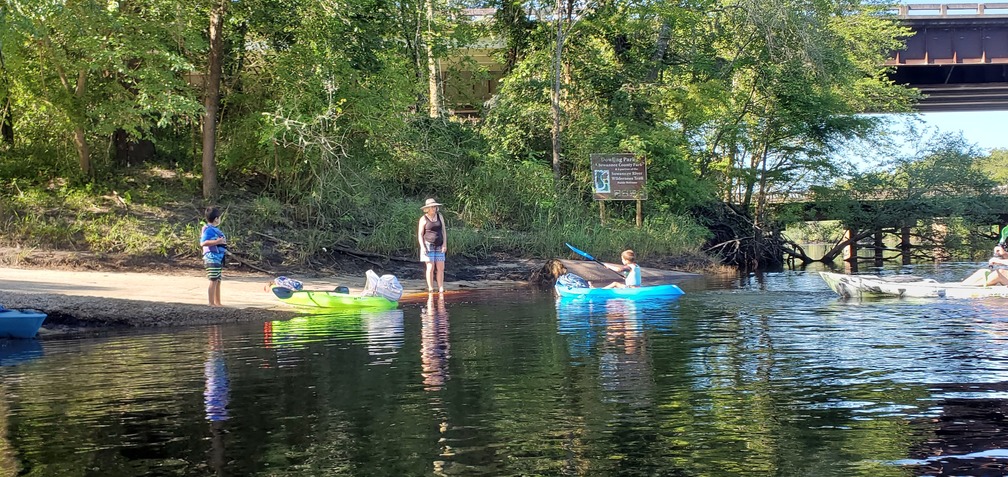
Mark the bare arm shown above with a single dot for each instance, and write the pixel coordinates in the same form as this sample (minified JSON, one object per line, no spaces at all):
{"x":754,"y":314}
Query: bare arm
{"x":419,"y":234}
{"x":444,"y":234}
{"x":617,"y":268}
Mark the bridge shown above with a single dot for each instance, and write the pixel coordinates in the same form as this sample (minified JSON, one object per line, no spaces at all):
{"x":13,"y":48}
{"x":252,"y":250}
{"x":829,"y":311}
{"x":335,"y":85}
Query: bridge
{"x":875,"y":217}
{"x":957,"y":55}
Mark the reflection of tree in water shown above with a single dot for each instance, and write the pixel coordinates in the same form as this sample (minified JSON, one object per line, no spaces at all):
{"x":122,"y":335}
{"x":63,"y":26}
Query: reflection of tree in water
{"x":9,"y":466}
{"x":624,"y":364}
{"x":968,"y":438}
{"x":434,"y":354}
{"x":216,"y":395}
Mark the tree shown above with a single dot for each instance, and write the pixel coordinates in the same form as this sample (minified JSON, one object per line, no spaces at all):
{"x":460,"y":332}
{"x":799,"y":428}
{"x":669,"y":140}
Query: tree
{"x":211,"y":98}
{"x":798,"y":73}
{"x":433,"y":89}
{"x":98,"y":69}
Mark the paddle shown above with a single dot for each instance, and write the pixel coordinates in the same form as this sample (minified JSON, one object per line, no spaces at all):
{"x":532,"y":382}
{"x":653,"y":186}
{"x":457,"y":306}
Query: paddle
{"x":589,"y":257}
{"x":283,"y":293}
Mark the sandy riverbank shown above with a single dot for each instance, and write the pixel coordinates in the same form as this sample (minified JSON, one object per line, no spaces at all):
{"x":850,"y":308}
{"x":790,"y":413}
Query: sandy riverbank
{"x":78,"y":300}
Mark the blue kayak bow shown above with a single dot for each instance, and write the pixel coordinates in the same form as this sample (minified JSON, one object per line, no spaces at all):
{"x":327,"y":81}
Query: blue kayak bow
{"x":589,"y":257}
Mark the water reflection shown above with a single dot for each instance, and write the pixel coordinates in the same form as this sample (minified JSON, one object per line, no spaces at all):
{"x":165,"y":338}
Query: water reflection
{"x":584,"y":322}
{"x":216,"y":395}
{"x":435,"y":351}
{"x":771,"y":376}
{"x":382,"y":331}
{"x":616,"y":330}
{"x":964,"y":434}
{"x":15,"y":352}
{"x":435,"y":348}
{"x":9,"y":465}
{"x":624,"y":364}
{"x":384,"y":335}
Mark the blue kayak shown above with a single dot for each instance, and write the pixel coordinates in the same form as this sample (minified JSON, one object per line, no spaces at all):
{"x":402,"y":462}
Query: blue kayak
{"x":20,"y":323}
{"x":655,"y":291}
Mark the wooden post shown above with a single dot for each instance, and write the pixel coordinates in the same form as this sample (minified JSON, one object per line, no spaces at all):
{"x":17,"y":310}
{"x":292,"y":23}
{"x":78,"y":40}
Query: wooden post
{"x":905,"y":244}
{"x":601,"y":212}
{"x":850,"y":256}
{"x":640,"y":215}
{"x":879,"y":247}
{"x":851,"y":251}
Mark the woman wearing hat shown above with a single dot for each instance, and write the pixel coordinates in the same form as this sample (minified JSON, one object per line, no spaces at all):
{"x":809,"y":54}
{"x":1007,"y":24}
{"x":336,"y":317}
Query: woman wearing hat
{"x":433,"y":243}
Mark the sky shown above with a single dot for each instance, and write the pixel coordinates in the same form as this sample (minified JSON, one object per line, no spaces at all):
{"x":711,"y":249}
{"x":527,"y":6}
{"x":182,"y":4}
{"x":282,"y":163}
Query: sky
{"x":986,"y":129}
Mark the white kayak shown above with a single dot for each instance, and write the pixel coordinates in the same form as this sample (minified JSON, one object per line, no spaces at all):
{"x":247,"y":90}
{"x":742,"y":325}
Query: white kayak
{"x":868,"y":286}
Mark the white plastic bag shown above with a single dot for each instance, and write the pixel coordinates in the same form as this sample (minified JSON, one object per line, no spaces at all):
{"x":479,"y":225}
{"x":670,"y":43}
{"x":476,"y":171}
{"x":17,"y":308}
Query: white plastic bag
{"x":386,"y":286}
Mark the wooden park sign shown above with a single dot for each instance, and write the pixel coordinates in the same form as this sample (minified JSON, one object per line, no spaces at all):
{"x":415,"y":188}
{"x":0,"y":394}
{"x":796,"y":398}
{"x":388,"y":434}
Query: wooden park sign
{"x":618,"y":177}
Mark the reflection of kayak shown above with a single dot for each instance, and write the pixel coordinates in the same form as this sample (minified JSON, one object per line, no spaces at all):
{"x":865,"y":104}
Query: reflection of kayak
{"x":655,"y":291}
{"x":20,"y":323}
{"x":382,"y":330}
{"x":332,"y":299}
{"x":867,"y":286}
{"x":14,"y":352}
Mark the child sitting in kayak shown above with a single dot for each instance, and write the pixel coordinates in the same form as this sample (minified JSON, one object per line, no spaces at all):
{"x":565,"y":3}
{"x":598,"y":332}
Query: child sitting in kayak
{"x":630,"y":268}
{"x":988,"y":277}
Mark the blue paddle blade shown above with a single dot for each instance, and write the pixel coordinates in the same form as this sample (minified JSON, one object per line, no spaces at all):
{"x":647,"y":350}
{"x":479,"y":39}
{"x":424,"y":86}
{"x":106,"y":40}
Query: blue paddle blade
{"x":579,"y":252}
{"x":283,"y":293}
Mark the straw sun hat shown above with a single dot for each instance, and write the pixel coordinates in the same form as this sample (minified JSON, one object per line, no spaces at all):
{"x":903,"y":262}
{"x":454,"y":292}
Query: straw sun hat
{"x":430,"y":203}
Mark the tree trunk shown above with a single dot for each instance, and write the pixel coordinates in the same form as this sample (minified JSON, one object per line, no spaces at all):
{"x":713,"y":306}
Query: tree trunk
{"x":661,"y":46}
{"x":432,"y":67}
{"x":6,"y":106}
{"x":212,"y":101}
{"x":83,"y":151}
{"x":130,"y":152}
{"x":80,"y":140}
{"x":761,"y":192}
{"x":7,"y":120}
{"x":557,"y":83}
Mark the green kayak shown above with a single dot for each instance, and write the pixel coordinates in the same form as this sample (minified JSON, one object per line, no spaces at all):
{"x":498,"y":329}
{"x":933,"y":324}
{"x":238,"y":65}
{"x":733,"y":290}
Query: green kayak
{"x":332,"y":299}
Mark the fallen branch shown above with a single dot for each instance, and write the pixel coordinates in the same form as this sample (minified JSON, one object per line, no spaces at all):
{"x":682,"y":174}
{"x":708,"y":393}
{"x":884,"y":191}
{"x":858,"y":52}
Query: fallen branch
{"x":362,"y":255}
{"x":280,"y":240}
{"x":243,"y":262}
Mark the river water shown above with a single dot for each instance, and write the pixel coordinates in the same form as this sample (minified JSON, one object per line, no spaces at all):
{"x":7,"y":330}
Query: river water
{"x":767,"y":374}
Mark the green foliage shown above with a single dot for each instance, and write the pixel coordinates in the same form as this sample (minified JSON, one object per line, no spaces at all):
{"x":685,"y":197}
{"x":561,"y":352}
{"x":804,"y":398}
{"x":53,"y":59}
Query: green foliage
{"x":995,"y":166}
{"x":94,"y":69}
{"x":828,"y":231}
{"x":323,"y":138}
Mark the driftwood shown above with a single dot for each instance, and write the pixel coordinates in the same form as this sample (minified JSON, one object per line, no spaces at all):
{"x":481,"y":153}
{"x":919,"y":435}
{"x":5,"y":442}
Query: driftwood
{"x":238,"y":259}
{"x":359,"y":254}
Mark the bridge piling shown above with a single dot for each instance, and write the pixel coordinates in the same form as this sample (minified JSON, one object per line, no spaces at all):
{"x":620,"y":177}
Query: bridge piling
{"x":879,"y":248}
{"x":905,"y":244}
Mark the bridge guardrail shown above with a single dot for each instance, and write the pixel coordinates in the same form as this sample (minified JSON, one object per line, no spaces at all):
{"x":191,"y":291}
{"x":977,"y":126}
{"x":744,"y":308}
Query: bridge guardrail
{"x":950,"y":9}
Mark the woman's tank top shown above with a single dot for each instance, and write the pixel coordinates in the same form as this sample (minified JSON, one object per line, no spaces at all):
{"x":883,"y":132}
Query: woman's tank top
{"x":432,"y":230}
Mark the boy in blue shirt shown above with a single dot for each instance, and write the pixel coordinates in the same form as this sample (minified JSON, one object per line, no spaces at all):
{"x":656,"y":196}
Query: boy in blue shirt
{"x":214,"y":245}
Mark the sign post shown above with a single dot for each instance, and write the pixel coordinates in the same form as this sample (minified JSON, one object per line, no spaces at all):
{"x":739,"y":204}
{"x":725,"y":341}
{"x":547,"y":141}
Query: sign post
{"x":619,"y":177}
